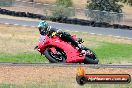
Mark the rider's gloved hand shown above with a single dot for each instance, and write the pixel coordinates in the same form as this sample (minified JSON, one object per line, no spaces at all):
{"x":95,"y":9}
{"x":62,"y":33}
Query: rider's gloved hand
{"x":59,"y":31}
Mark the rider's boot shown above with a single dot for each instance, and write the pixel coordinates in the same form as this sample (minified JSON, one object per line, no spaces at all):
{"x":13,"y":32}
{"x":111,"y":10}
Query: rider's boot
{"x":80,"y":48}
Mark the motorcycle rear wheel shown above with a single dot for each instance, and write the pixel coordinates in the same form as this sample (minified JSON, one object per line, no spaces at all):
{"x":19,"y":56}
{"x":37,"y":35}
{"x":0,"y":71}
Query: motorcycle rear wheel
{"x":88,"y":60}
{"x":91,"y":59}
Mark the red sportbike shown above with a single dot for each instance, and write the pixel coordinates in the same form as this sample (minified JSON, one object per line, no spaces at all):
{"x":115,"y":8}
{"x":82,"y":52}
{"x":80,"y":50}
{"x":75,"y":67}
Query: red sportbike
{"x":56,"y":50}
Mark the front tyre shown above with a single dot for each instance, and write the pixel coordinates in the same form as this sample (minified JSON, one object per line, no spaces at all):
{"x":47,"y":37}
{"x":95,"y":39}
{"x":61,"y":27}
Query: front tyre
{"x":59,"y":57}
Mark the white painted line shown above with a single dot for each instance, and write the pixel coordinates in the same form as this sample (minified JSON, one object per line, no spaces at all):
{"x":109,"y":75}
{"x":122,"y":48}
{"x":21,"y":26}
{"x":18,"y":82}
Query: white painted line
{"x":38,"y":3}
{"x":130,"y":38}
{"x":16,"y":24}
{"x":24,"y":1}
{"x":6,"y":23}
{"x":99,"y":34}
{"x":33,"y":26}
{"x":18,"y":0}
{"x":45,"y":4}
{"x":85,"y":32}
{"x":25,"y":25}
{"x":92,"y":33}
{"x":118,"y":36}
{"x":110,"y":35}
{"x":30,"y":2}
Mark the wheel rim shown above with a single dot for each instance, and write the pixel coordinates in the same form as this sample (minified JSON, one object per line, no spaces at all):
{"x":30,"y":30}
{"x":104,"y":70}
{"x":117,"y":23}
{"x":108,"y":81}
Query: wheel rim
{"x":59,"y":56}
{"x":91,"y":54}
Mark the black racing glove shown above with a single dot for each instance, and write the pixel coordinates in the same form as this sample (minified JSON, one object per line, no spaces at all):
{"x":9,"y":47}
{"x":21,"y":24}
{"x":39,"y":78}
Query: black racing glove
{"x":59,"y":31}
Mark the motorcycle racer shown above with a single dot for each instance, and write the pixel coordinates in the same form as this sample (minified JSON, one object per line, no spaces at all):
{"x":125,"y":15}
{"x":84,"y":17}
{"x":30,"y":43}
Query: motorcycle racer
{"x":44,"y":29}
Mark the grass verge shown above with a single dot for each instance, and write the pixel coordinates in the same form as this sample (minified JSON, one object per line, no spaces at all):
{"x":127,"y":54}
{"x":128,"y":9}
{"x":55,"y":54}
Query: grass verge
{"x":114,"y":53}
{"x":22,"y":57}
{"x":62,"y":85}
{"x":17,"y":18}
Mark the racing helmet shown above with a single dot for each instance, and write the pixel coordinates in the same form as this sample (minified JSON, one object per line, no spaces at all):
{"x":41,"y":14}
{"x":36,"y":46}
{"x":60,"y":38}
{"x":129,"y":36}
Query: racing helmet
{"x":43,"y":24}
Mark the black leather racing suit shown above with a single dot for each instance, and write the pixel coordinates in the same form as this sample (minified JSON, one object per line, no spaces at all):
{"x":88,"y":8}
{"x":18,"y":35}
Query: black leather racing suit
{"x":65,"y":36}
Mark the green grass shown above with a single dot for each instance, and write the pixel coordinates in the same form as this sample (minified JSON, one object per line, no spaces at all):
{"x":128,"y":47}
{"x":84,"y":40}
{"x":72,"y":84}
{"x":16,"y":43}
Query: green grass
{"x":63,"y":85}
{"x":114,"y":53}
{"x":22,"y":57}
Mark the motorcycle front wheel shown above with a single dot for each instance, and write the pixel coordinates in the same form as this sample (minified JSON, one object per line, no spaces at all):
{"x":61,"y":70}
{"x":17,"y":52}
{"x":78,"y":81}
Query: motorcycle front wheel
{"x":59,"y":57}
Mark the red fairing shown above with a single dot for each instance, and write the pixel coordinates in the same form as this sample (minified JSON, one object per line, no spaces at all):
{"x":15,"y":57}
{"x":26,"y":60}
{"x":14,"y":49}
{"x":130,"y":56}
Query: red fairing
{"x":71,"y":52}
{"x":74,"y":36}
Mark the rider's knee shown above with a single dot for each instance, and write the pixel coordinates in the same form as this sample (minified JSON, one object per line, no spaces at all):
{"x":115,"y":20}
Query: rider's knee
{"x":67,"y":34}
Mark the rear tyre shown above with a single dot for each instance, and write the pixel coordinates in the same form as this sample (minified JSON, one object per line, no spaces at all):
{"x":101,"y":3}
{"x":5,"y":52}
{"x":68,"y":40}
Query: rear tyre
{"x":91,"y":58}
{"x":54,"y":58}
{"x":88,"y":60}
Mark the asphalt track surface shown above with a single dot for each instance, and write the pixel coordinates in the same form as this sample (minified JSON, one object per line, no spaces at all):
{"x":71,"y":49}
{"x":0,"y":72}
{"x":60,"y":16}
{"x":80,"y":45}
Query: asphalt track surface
{"x":97,"y":66}
{"x":92,"y":30}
